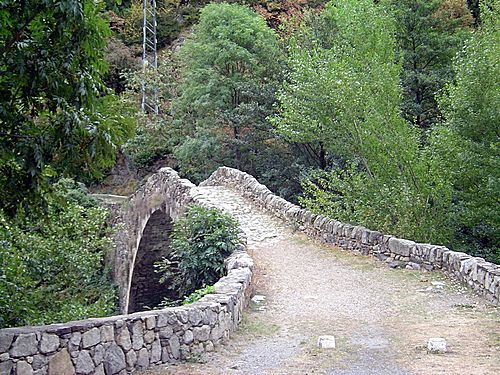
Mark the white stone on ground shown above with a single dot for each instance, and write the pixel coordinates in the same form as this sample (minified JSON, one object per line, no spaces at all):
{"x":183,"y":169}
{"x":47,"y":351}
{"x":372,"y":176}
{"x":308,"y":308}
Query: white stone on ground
{"x":258,"y":298}
{"x":437,"y":345}
{"x":326,"y":342}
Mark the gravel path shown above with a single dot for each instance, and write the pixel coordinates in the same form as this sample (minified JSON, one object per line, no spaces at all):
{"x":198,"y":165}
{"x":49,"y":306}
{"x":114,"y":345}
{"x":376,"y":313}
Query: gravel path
{"x":381,"y":317}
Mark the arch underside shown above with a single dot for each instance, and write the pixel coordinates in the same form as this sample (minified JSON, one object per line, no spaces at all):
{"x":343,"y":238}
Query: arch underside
{"x":146,"y":292}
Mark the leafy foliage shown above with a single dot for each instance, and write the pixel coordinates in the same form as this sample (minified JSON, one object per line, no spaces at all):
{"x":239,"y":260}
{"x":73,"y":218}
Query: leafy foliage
{"x":52,"y":268}
{"x":471,"y":111}
{"x":198,"y":294}
{"x":53,"y":116}
{"x":200,"y":242}
{"x":429,"y":33}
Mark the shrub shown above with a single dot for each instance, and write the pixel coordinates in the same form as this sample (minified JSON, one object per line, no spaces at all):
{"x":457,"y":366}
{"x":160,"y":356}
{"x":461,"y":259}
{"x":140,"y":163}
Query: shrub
{"x":51,"y":268}
{"x":200,"y":242}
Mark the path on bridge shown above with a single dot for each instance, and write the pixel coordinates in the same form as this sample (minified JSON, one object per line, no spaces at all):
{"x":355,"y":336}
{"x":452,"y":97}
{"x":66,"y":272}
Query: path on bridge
{"x":381,"y":317}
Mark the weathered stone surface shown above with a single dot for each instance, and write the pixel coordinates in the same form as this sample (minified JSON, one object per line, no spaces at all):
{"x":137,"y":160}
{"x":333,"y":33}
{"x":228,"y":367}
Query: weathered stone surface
{"x":91,"y":338}
{"x":84,"y":363}
{"x":166,"y":332}
{"x":143,"y":358}
{"x":23,"y":368}
{"x":326,"y":342}
{"x":6,"y":367}
{"x":437,"y":345}
{"x":155,"y":351}
{"x":4,"y":357}
{"x":25,"y":344}
{"x":194,"y":316}
{"x":39,"y":361}
{"x":149,"y":337}
{"x":98,"y":354}
{"x":123,"y":339}
{"x":114,"y":360}
{"x":131,"y":358}
{"x":107,"y":333}
{"x":188,"y":337}
{"x":49,"y":343}
{"x":175,"y":346}
{"x":76,"y":338}
{"x":99,"y":370}
{"x":201,"y":333}
{"x":150,"y":322}
{"x":5,"y":341}
{"x":137,"y":335}
{"x":60,"y":364}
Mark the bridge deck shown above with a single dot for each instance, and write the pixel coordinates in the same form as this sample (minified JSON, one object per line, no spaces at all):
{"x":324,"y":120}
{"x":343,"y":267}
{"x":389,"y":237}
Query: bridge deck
{"x":381,"y":317}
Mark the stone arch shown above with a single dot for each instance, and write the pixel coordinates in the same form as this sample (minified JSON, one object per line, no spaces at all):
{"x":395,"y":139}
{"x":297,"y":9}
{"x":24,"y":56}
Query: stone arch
{"x":145,"y":291}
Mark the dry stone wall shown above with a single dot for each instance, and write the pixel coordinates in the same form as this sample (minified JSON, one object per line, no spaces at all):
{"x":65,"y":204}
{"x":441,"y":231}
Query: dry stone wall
{"x":125,"y":343}
{"x":122,"y":344}
{"x":482,"y":276}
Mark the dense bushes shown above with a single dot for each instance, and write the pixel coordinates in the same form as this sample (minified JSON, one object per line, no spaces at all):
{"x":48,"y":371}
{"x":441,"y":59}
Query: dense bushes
{"x":51,"y":268}
{"x":200,"y":242}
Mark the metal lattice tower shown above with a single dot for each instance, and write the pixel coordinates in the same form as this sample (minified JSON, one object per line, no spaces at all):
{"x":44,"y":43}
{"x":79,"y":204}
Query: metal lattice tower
{"x":149,"y":102}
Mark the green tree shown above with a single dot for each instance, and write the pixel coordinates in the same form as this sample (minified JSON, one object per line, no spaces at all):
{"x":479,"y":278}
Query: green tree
{"x":53,"y":118}
{"x":228,"y":67}
{"x":471,"y":110}
{"x":429,"y":34}
{"x":51,"y":269}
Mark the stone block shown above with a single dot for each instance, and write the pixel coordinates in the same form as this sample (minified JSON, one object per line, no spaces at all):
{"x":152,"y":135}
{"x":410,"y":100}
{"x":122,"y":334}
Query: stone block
{"x":84,"y":363}
{"x":49,"y":343}
{"x":175,"y":346}
{"x":401,"y":247}
{"x":143,"y":359}
{"x":91,"y":338}
{"x":61,"y":364}
{"x":114,"y":360}
{"x":437,"y":345}
{"x":24,"y":368}
{"x":5,"y":341}
{"x":25,"y":344}
{"x":107,"y":333}
{"x":326,"y":342}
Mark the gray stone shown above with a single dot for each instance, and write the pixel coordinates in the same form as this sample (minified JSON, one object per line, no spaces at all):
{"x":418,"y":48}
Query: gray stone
{"x":99,"y":370}
{"x":201,"y":333}
{"x":107,"y":333}
{"x":326,"y":342}
{"x":175,"y":346}
{"x":5,"y":341}
{"x":114,"y":360}
{"x":149,"y":337}
{"x":98,"y":355}
{"x":84,"y":363}
{"x":209,"y":346}
{"x":131,"y":358}
{"x":39,"y":361}
{"x":24,"y":368}
{"x":49,"y":343}
{"x":137,"y":335}
{"x":143,"y":358}
{"x":150,"y":322}
{"x":75,"y":339}
{"x":4,"y":357}
{"x":156,"y":351}
{"x":91,"y":338}
{"x":400,"y":246}
{"x":166,"y":332}
{"x":6,"y":367}
{"x":123,"y":339}
{"x":437,"y":345}
{"x":24,"y":345}
{"x":60,"y":364}
{"x":188,"y":337}
{"x":194,"y":316}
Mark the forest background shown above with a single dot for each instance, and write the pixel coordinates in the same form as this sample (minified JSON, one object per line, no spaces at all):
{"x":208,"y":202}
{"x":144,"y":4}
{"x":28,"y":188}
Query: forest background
{"x":379,"y":113}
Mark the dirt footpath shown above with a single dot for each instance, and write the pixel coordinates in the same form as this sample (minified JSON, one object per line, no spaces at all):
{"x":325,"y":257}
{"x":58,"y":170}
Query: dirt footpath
{"x":381,"y":317}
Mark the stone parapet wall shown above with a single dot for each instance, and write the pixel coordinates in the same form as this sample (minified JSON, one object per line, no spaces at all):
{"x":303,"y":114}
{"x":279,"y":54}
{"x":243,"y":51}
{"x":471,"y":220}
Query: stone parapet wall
{"x":482,"y":276}
{"x":125,"y":343}
{"x":122,"y":344}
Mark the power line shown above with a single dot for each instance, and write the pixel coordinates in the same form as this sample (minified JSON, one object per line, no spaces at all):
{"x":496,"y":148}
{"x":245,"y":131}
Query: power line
{"x":149,"y":102}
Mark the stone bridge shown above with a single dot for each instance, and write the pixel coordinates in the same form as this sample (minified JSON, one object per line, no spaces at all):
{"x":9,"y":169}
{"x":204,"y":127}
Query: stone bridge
{"x":310,"y":290}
